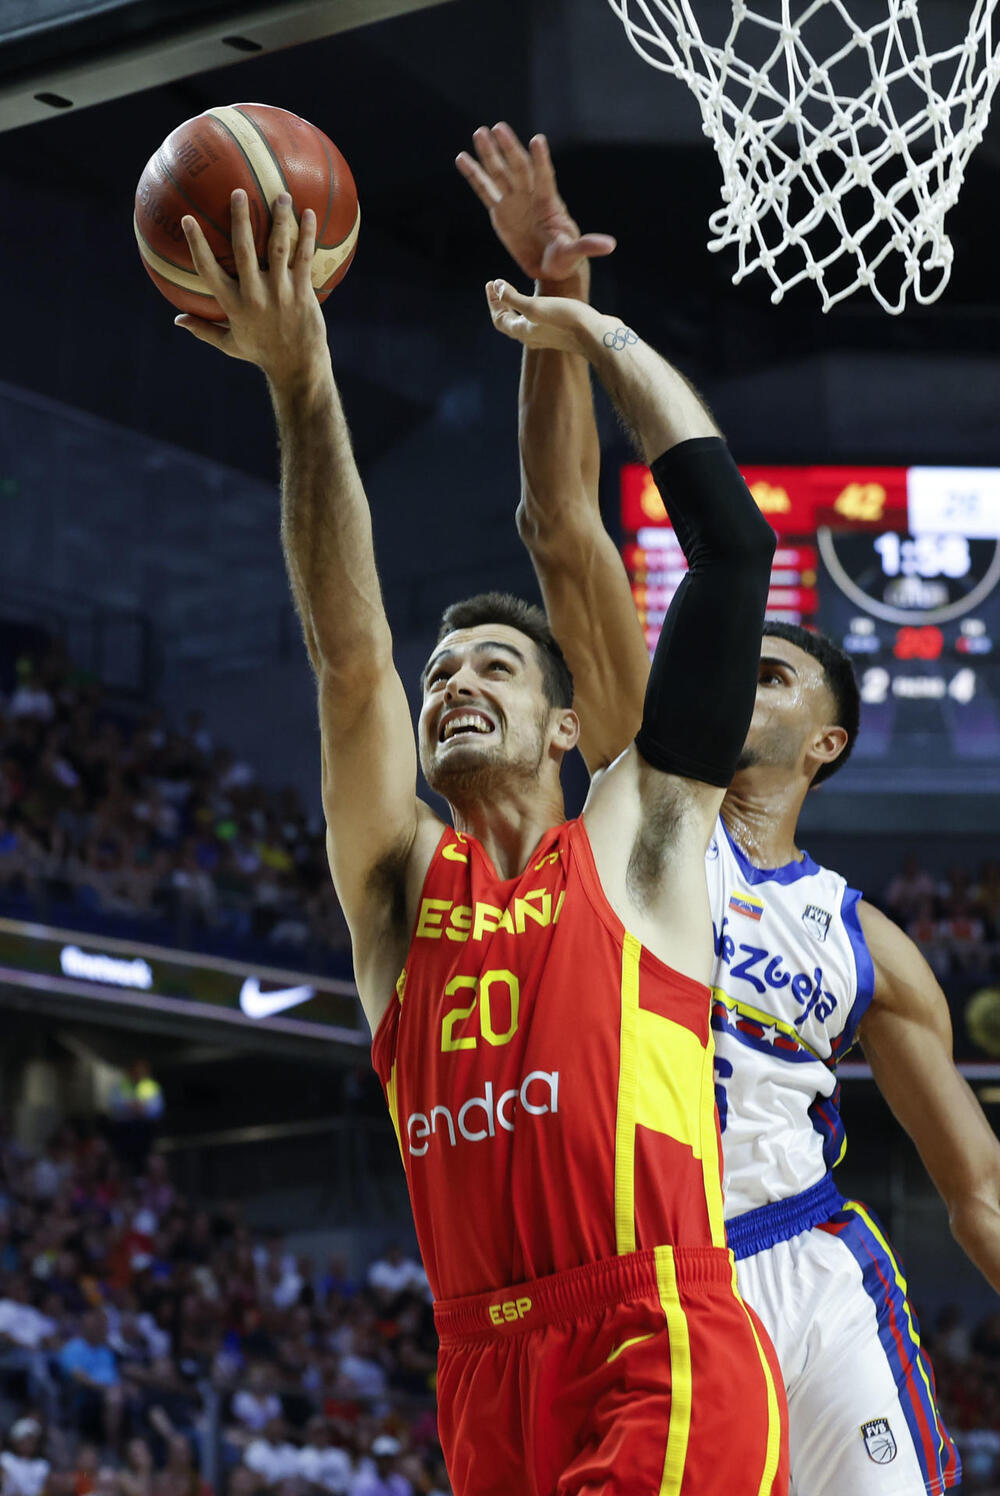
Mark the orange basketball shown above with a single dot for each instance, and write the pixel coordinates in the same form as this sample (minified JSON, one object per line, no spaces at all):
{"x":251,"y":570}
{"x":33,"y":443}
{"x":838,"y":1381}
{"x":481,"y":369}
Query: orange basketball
{"x":265,"y":151}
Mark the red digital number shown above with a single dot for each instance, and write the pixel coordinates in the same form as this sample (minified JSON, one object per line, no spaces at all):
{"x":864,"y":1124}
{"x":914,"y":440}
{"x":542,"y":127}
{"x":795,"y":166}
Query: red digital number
{"x":918,"y":643}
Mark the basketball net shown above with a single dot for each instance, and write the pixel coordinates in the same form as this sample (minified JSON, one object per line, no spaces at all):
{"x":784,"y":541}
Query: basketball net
{"x":837,"y":168}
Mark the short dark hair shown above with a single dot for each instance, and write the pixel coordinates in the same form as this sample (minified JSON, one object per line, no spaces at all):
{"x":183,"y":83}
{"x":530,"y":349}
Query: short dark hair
{"x":527,"y":618}
{"x":838,"y":675}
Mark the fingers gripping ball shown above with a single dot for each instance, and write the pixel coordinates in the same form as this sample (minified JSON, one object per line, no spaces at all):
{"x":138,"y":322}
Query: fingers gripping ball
{"x":265,"y":151}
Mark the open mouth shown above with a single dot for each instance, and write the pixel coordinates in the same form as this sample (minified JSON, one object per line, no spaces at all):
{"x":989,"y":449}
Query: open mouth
{"x":464,"y":724}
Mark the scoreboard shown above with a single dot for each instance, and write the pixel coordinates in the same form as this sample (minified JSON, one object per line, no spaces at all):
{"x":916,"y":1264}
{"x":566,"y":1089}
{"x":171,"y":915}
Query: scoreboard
{"x":901,"y":567}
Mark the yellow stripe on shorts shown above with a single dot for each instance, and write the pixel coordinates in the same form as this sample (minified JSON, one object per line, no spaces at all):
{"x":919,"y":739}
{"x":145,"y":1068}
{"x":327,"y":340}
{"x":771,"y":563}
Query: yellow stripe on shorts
{"x":679,"y":1426}
{"x":772,"y":1452}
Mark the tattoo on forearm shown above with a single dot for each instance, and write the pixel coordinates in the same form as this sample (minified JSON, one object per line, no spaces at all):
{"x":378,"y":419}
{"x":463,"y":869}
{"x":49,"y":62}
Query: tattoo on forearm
{"x":620,"y":339}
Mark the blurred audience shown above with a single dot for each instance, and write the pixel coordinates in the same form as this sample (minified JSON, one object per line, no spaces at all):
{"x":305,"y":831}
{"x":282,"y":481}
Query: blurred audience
{"x":23,"y":1471}
{"x":394,"y":1274}
{"x":954,"y":920}
{"x":128,"y":820}
{"x":967,"y":1372}
{"x":135,"y":1108}
{"x":127,"y":1314}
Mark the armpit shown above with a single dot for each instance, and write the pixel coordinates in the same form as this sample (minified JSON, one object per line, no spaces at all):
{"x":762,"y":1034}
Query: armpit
{"x":386,"y":888}
{"x":653,"y":845}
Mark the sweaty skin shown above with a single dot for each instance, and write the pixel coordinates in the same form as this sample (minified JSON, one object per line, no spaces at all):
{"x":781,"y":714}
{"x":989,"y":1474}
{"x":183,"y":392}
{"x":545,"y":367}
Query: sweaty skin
{"x":503,"y":782}
{"x":906,"y":1032}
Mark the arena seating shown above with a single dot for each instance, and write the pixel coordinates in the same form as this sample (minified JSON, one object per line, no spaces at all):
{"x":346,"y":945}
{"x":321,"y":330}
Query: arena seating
{"x":151,"y":1345}
{"x":125,"y":824}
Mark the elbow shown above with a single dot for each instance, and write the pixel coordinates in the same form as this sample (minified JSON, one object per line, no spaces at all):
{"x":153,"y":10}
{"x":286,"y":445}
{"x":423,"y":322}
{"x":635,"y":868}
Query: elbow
{"x":537,"y":530}
{"x":351,"y":663}
{"x":760,"y":556}
{"x":564,"y":535}
{"x":753,"y":544}
{"x":974,"y":1219}
{"x":765,"y":541}
{"x":528,"y":521}
{"x":738,"y":564}
{"x":744,"y":570}
{"x":743,"y":551}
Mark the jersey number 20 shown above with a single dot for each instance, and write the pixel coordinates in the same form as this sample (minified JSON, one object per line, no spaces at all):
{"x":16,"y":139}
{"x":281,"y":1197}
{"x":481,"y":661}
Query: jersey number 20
{"x":483,"y":999}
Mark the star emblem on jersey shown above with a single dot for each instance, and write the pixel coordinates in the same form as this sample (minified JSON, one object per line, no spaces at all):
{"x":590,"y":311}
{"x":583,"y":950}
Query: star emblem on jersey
{"x":816,"y":920}
{"x":879,"y":1441}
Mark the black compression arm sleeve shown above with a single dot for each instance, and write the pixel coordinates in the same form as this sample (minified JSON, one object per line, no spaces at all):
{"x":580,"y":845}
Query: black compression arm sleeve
{"x":703,"y":681}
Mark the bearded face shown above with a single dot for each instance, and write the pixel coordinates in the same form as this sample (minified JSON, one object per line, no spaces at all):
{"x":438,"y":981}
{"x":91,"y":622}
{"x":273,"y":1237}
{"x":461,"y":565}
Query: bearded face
{"x":485,"y":722}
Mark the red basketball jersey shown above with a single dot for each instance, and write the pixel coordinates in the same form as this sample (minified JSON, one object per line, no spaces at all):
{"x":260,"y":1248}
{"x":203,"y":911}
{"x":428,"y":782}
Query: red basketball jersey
{"x":549,"y":1079}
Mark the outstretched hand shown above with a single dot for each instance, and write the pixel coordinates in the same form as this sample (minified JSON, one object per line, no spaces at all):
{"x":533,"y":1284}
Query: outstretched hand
{"x":518,"y":187}
{"x":559,"y":322}
{"x":273,"y":315}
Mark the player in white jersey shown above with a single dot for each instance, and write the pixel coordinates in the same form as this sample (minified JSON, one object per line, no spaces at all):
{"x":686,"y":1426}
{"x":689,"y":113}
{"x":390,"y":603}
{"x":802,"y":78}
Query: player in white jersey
{"x":804,"y":966}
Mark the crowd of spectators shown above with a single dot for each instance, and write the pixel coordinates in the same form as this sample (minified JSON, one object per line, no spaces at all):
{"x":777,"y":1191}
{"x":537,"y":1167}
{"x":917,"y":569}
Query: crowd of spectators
{"x":149,"y":1348}
{"x":127,"y":818}
{"x":954,"y":920}
{"x":103,"y":813}
{"x":967,"y":1372}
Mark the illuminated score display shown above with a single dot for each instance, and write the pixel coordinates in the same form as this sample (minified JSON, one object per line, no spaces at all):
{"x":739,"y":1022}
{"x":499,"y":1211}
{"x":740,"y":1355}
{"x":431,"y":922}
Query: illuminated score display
{"x":901,"y":566}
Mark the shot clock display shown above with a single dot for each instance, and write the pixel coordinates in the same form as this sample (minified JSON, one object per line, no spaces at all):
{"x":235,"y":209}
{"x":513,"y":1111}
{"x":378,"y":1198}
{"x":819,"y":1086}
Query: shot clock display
{"x":901,"y":566}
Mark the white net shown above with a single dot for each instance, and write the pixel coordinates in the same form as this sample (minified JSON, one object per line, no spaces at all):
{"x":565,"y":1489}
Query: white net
{"x":842,"y":146}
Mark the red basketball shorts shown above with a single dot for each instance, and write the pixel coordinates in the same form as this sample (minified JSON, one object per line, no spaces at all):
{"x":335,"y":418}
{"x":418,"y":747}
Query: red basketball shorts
{"x":643,"y":1375}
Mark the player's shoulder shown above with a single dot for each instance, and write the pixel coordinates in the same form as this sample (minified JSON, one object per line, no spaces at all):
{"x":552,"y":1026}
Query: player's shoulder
{"x":902,"y":975}
{"x":883,"y":935}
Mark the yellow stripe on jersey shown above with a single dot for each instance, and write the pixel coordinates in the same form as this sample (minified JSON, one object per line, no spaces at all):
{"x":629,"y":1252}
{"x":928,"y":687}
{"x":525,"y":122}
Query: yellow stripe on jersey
{"x":746,"y":1010}
{"x":628,"y":1082}
{"x":911,"y":1328}
{"x":670,"y":1079}
{"x":390,"y":1096}
{"x":679,"y":1426}
{"x":676,"y":1097}
{"x":772,"y":1450}
{"x":711,"y":1157}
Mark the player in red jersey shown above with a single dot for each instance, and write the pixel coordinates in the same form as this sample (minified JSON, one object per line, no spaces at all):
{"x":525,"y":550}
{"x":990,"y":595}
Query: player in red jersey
{"x":546,"y":1051}
{"x":822,"y":1276}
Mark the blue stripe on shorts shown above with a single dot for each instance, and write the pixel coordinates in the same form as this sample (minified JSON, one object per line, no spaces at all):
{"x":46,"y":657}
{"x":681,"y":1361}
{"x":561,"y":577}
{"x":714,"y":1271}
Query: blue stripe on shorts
{"x":899,"y":1334}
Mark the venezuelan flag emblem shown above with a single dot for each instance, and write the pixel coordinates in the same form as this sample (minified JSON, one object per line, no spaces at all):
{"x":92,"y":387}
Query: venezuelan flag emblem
{"x":747,"y":904}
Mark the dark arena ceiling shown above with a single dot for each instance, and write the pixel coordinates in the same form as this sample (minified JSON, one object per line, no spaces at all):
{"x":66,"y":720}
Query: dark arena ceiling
{"x":401,"y":97}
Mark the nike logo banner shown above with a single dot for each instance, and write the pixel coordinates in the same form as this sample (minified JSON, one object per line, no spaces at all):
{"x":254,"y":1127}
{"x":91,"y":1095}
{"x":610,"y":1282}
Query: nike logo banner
{"x":257,"y":1004}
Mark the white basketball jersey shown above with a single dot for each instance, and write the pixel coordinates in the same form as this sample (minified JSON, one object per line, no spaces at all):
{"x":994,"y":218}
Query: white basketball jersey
{"x":792,"y":980}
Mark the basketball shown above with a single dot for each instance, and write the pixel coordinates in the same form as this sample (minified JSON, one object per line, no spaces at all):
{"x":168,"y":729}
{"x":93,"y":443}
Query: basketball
{"x":265,"y":151}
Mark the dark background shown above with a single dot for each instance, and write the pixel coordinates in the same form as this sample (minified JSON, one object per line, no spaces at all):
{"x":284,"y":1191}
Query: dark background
{"x":428,"y":387}
{"x":137,"y":468}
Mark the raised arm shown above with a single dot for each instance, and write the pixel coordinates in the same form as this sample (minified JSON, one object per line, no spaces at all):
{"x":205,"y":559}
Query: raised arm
{"x":906,"y":1037}
{"x":580,"y":572}
{"x":379,"y":835}
{"x":655,"y":807}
